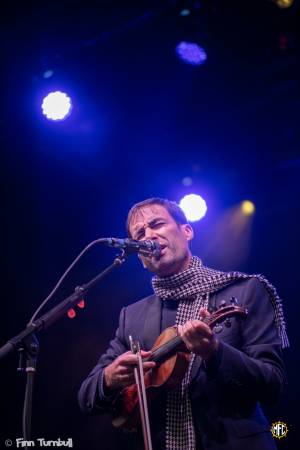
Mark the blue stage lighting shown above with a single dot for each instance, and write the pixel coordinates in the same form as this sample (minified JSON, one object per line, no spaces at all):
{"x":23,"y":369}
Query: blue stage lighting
{"x":48,"y":73}
{"x":56,"y":105}
{"x":194,"y":207}
{"x":191,"y":53}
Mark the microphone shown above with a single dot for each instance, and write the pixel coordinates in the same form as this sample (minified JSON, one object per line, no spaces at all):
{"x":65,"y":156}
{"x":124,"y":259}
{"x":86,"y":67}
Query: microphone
{"x":147,"y":247}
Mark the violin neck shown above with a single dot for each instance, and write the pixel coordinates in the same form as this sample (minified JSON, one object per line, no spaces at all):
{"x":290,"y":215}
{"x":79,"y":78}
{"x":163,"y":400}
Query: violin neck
{"x":169,"y":347}
{"x":166,"y":349}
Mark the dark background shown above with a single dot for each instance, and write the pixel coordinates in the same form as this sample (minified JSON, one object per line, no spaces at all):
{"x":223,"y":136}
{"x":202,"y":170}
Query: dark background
{"x":142,"y":120}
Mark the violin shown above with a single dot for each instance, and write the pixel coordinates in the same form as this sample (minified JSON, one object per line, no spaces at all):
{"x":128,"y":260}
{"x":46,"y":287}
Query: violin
{"x":172,"y":360}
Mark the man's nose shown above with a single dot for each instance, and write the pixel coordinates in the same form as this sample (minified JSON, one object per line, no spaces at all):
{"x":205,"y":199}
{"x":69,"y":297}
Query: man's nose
{"x":150,"y":233}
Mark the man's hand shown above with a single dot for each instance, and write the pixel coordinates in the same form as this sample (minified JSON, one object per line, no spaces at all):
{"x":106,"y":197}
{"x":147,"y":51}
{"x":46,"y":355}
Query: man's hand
{"x":198,"y":337}
{"x":119,"y":373}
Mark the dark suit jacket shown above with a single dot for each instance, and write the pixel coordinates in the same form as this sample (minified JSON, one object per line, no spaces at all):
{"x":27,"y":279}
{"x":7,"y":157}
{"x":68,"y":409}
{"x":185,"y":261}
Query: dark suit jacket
{"x":226,"y":393}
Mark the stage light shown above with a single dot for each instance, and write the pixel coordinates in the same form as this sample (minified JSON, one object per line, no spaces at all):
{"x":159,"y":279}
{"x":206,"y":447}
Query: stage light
{"x":56,"y":106}
{"x":191,"y":53}
{"x":283,"y":4}
{"x":185,"y":12}
{"x":194,"y":207}
{"x":48,"y":74}
{"x":247,"y":207}
{"x":187,"y":181}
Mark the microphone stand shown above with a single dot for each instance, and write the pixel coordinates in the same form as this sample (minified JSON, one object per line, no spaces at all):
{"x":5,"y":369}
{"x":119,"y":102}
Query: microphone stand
{"x":28,"y":346}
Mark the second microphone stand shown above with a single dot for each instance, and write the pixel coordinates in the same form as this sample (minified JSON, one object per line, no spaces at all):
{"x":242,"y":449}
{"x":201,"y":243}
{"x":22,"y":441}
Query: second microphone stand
{"x":28,"y":346}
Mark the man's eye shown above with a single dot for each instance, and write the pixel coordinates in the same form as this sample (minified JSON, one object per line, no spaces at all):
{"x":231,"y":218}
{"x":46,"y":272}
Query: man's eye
{"x":157,"y":224}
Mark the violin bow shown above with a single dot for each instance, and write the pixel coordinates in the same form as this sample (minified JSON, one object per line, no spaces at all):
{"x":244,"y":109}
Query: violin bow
{"x":140,"y":382}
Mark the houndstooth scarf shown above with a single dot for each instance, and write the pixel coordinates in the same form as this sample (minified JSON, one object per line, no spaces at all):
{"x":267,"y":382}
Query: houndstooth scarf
{"x":192,"y":288}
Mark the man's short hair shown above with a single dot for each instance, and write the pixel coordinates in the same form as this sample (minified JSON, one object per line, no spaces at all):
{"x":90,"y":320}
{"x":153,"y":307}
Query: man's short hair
{"x":172,"y":207}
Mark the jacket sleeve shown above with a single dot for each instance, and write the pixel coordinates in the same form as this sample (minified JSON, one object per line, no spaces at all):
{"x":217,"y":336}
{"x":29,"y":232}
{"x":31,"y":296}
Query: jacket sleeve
{"x":91,"y":397}
{"x":255,"y":368}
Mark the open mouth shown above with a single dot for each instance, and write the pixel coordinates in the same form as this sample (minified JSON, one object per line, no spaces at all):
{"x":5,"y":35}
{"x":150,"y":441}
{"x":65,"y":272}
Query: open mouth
{"x":161,"y":252}
{"x":156,"y":255}
{"x":162,"y":248}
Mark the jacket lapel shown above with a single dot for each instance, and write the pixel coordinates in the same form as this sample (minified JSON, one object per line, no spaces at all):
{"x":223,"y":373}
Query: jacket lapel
{"x":152,"y":322}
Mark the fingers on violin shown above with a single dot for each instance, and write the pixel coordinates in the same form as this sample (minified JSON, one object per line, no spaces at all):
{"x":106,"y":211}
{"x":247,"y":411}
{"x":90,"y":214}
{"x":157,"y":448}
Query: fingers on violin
{"x":125,"y":370}
{"x":126,"y":380}
{"x":131,"y":358}
{"x":203,"y":313}
{"x":192,"y":330}
{"x":188,"y":329}
{"x":148,"y":365}
{"x":145,"y":353}
{"x":182,"y":330}
{"x":127,"y":356}
{"x":128,"y":359}
{"x":201,"y":328}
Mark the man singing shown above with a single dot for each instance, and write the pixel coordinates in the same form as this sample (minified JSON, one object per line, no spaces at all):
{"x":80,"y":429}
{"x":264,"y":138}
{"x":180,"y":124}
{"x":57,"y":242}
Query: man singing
{"x":217,"y":405}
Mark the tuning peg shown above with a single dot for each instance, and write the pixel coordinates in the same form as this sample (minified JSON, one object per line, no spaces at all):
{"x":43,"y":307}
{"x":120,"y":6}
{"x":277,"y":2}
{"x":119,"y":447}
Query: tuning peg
{"x":218,"y":328}
{"x":222,"y":303}
{"x":233,"y":300}
{"x":227,"y":323}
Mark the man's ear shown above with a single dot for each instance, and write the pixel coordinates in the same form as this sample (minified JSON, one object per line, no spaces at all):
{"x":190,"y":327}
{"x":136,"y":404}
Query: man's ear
{"x":188,"y":231}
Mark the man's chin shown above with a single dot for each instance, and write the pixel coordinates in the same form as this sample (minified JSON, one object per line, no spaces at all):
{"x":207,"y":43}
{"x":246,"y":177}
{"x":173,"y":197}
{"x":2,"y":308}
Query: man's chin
{"x":163,"y":268}
{"x":166,"y":266}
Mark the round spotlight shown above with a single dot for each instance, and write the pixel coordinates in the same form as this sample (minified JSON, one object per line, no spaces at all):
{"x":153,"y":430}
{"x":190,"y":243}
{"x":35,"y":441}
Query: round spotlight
{"x":187,"y":181}
{"x":191,"y":53}
{"x":48,"y":74}
{"x":185,"y":12}
{"x":56,"y":105}
{"x":247,"y":207}
{"x":283,"y":4}
{"x":194,"y":207}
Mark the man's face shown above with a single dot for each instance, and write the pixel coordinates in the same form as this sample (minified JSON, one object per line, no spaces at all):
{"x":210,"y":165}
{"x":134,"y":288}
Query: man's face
{"x":155,"y":222}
